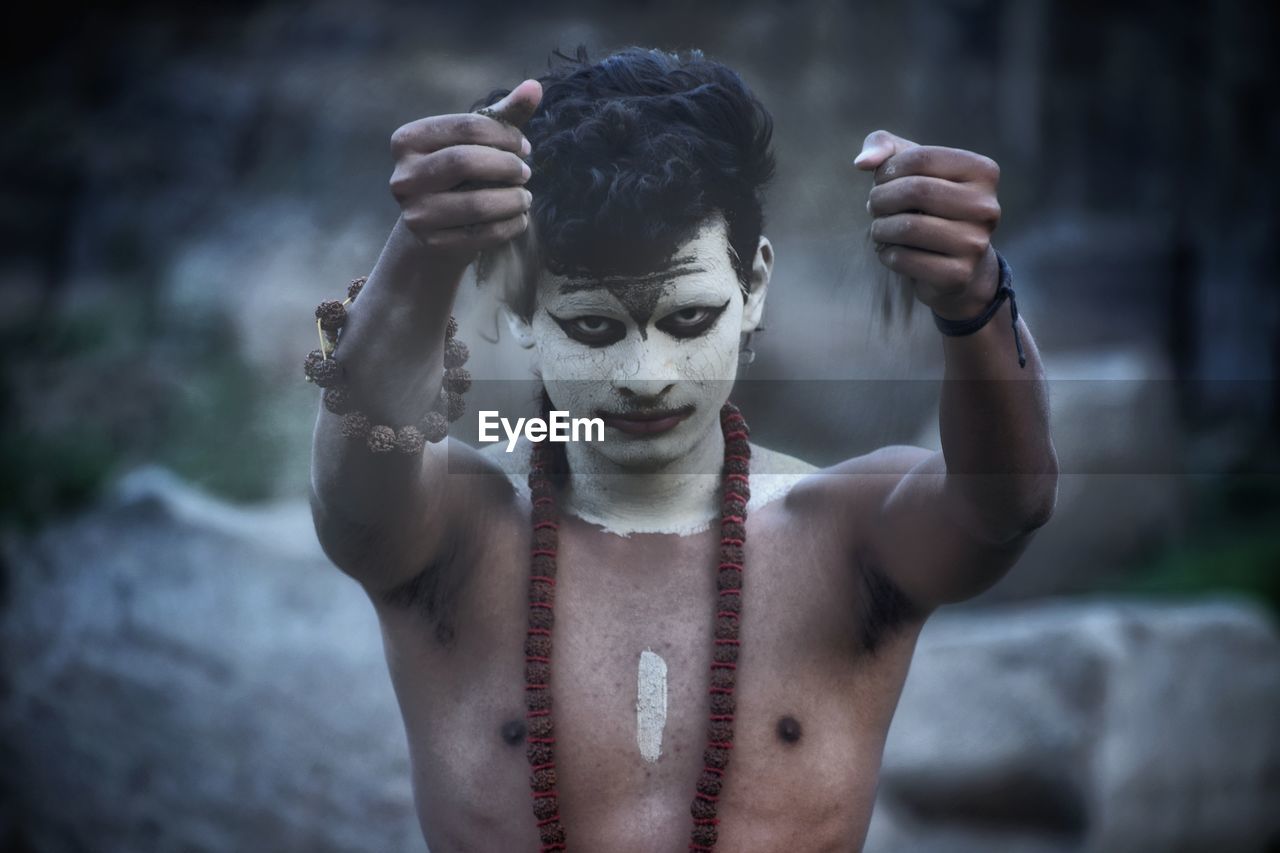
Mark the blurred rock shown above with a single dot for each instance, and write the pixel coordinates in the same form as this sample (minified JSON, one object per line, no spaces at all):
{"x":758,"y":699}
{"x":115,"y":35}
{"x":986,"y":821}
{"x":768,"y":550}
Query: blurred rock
{"x":182,"y":674}
{"x":1086,"y":726}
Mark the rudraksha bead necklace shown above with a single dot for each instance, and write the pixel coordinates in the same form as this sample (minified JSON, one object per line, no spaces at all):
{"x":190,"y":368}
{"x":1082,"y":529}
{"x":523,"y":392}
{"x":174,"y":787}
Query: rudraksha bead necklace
{"x":540,"y":737}
{"x":324,"y":370}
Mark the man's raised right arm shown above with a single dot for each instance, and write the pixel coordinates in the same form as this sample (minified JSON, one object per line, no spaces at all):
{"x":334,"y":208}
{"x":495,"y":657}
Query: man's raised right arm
{"x":382,"y":517}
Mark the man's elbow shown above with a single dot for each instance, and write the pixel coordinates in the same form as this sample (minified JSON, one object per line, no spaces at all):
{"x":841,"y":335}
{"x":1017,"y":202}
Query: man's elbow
{"x":1041,"y":518}
{"x":1033,"y":501}
{"x":1025,"y":517}
{"x":1045,"y":499}
{"x":1040,"y":510}
{"x":1017,"y":515}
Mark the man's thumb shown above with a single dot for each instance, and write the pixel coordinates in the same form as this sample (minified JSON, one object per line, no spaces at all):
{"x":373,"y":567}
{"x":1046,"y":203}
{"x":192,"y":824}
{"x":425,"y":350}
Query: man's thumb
{"x":518,"y":106}
{"x":879,"y":146}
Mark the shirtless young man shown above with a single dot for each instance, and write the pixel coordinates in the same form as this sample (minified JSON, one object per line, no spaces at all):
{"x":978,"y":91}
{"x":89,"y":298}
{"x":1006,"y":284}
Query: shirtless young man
{"x":843,"y":565}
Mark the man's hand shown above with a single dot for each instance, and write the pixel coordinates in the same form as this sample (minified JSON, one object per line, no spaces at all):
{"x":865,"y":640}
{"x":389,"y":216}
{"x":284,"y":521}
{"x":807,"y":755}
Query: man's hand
{"x":934,"y":212}
{"x":440,"y":160}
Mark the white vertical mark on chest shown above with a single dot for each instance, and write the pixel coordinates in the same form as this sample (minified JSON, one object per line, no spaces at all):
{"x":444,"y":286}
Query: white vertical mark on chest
{"x":651,"y":704}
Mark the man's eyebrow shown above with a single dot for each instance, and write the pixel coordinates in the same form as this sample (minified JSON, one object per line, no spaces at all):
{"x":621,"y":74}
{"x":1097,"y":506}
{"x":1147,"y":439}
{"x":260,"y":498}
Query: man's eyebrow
{"x":681,"y":266}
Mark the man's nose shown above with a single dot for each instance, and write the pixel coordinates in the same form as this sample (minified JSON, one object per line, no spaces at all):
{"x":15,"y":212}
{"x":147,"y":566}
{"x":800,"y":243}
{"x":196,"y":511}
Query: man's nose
{"x":649,"y":377}
{"x":644,"y":392}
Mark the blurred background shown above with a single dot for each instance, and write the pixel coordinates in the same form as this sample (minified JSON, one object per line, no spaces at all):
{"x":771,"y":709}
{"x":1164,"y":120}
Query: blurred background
{"x":183,"y":669}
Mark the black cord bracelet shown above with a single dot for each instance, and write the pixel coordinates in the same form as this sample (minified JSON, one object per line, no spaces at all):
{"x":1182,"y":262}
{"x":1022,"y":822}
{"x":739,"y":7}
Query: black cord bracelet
{"x":956,"y":328}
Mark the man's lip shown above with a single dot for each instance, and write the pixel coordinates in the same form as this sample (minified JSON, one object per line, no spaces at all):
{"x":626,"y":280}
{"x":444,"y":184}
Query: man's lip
{"x":649,"y":416}
{"x":647,"y":423}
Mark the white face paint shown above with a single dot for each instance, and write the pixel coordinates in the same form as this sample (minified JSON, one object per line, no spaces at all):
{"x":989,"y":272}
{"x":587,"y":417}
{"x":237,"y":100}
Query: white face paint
{"x":667,"y":343}
{"x":653,"y":343}
{"x":651,"y":705}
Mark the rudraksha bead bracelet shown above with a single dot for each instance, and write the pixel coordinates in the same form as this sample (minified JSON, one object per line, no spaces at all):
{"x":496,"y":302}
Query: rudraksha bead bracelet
{"x":323,"y":369}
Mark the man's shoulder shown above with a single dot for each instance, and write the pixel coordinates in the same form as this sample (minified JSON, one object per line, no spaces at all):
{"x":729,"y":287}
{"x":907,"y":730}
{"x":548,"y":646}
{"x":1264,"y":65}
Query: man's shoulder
{"x":858,"y":480}
{"x":765,"y":460}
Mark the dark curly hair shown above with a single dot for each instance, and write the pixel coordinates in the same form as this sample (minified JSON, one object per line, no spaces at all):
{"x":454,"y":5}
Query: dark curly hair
{"x":631,"y":155}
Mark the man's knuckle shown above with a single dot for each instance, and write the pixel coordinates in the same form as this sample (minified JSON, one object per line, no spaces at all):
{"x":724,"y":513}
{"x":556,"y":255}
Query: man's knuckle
{"x":452,"y":160}
{"x":509,"y":199}
{"x":985,"y":170}
{"x":398,"y":185}
{"x":403,"y":179}
{"x":472,"y":126}
{"x":912,"y":161}
{"x":431,"y":168}
{"x":472,"y":204}
{"x":400,"y":140}
{"x":429,"y":212}
{"x":919,"y":190}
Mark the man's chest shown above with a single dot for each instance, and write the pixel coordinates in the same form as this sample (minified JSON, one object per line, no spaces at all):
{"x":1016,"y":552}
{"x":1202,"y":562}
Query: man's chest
{"x":634,"y":641}
{"x":630,"y":677}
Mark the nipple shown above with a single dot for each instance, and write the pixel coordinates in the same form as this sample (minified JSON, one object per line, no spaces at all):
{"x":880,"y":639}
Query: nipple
{"x":789,"y":729}
{"x":513,"y":732}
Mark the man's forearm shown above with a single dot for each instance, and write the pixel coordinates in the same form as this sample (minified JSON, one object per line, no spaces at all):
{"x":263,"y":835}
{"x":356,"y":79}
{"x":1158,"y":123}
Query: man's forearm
{"x":391,"y":350}
{"x":994,"y":424}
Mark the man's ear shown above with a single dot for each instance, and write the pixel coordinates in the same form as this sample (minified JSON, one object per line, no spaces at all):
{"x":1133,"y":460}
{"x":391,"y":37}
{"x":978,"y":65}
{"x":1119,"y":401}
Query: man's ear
{"x":761,"y":270}
{"x":521,"y":329}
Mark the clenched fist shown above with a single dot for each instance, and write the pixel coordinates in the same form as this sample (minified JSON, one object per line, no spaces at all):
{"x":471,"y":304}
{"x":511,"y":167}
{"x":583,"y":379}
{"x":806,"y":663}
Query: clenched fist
{"x":934,"y":210}
{"x":459,"y":178}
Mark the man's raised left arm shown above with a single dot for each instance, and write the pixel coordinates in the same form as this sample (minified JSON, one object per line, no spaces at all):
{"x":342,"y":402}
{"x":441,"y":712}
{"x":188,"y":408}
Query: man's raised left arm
{"x":946,"y":525}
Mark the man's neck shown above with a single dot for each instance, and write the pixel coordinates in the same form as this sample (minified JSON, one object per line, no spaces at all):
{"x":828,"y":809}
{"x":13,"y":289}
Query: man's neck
{"x":681,"y":497}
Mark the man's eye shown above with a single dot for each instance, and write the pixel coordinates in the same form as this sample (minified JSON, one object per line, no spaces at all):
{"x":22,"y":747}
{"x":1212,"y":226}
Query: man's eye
{"x":592,"y":330}
{"x":690,"y":322}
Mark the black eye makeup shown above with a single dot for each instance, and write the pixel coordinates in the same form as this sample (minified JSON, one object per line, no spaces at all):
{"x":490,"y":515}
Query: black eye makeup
{"x":595,"y":330}
{"x":592,"y":329}
{"x":691,"y":322}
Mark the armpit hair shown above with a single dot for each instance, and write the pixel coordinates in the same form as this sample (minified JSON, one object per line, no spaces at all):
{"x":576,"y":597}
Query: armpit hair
{"x":882,"y":605}
{"x":433,"y":593}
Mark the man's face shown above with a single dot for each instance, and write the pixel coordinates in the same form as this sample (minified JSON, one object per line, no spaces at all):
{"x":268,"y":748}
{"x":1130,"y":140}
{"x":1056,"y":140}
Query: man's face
{"x":654,"y":355}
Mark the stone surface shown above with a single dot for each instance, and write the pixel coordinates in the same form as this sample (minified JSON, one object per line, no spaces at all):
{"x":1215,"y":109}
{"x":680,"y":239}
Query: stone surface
{"x":184,"y":675}
{"x":1086,"y":726}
